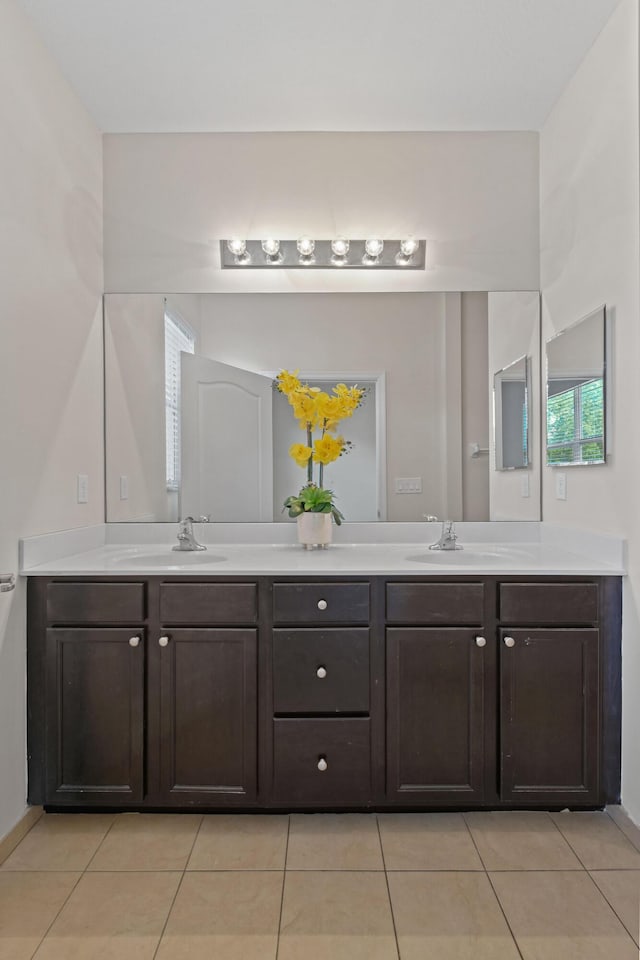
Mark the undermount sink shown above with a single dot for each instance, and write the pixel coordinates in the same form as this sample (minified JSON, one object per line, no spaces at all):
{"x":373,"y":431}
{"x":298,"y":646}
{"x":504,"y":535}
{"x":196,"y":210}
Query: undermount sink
{"x":467,"y":556}
{"x":177,"y":558}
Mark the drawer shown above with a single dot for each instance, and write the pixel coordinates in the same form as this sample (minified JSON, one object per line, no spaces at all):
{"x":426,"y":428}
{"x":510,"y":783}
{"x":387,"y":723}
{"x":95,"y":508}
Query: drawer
{"x":71,"y":602}
{"x":221,"y":603}
{"x":548,"y":602}
{"x":321,"y":602}
{"x":302,"y":747}
{"x":321,"y":671}
{"x":439,"y":603}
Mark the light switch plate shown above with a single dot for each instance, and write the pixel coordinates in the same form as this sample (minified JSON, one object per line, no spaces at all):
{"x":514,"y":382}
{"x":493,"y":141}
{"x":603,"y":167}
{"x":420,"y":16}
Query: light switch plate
{"x":561,"y":486}
{"x":524,"y":485}
{"x":83,"y":488}
{"x":124,"y":487}
{"x":408,"y":485}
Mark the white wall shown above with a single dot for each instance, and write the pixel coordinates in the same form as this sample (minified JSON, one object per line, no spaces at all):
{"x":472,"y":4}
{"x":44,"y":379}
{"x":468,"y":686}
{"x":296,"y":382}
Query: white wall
{"x":50,"y":341}
{"x":589,"y":226}
{"x":169,"y":199}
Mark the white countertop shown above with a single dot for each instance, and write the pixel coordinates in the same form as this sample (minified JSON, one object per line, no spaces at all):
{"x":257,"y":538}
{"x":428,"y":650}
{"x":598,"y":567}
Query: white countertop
{"x":348,"y":559}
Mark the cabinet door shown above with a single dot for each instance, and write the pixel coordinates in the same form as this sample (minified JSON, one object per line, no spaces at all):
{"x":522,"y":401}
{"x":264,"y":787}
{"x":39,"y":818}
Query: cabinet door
{"x":435,"y":714}
{"x":95,"y":724}
{"x":208,"y":716}
{"x":549,"y":716}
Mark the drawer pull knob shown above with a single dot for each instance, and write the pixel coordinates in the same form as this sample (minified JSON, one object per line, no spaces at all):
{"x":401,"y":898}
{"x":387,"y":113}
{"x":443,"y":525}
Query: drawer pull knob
{"x":134,"y":641}
{"x":322,"y":604}
{"x":321,"y":672}
{"x":322,"y":764}
{"x":509,"y":642}
{"x":164,"y":641}
{"x":481,"y":642}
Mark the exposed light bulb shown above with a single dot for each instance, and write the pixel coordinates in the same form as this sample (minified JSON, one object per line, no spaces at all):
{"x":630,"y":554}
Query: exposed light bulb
{"x":374,"y":247}
{"x":340,"y":246}
{"x":237,"y":247}
{"x":409,"y":246}
{"x":271,"y":247}
{"x":306,"y":246}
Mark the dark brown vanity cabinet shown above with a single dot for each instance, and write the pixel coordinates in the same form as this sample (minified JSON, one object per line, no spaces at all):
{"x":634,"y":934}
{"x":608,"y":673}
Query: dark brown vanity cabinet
{"x":552,"y":669}
{"x":440,"y":678}
{"x":324,"y":693}
{"x":161,"y":711}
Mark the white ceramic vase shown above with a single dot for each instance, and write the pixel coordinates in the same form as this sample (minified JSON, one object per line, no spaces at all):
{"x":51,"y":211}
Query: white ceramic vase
{"x":315,"y":529}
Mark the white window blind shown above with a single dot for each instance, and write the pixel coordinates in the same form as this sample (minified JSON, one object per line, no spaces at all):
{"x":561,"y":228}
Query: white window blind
{"x":178,"y":338}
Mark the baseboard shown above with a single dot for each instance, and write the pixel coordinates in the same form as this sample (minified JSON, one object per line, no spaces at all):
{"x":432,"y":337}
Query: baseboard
{"x":21,"y":829}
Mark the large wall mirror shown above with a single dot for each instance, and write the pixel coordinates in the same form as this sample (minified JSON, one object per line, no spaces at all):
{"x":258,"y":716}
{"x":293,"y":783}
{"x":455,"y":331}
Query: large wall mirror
{"x":576,"y":393}
{"x":194,"y":426}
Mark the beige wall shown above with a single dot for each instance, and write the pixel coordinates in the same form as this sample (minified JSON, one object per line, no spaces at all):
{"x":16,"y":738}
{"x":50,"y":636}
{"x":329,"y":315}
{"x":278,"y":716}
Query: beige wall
{"x":589,"y":256}
{"x":169,"y":198}
{"x":50,"y":337}
{"x":475,"y":406}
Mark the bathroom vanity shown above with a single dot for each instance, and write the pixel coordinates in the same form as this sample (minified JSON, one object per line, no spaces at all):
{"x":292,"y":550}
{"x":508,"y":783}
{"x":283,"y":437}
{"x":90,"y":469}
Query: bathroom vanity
{"x":441,"y":689}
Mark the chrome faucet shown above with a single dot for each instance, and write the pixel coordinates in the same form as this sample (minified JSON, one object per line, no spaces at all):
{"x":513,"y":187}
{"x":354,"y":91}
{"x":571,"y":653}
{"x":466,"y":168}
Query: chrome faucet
{"x":186,"y":538}
{"x":448,"y":538}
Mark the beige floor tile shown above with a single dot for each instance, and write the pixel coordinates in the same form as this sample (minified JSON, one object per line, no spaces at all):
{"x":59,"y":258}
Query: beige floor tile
{"x":449,"y":916}
{"x":598,"y":842}
{"x":60,"y":841}
{"x":622,"y":889}
{"x":148,"y":841}
{"x":237,"y":842}
{"x":29,"y":903}
{"x":427,"y":841}
{"x":336,"y":916}
{"x":561,"y":915}
{"x":520,"y":840}
{"x":628,"y":827}
{"x":325,"y":841}
{"x":230,"y":916}
{"x":112,"y":916}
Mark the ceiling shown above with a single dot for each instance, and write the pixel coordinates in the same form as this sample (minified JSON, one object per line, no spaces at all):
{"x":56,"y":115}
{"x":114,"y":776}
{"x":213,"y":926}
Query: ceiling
{"x":256,"y":65}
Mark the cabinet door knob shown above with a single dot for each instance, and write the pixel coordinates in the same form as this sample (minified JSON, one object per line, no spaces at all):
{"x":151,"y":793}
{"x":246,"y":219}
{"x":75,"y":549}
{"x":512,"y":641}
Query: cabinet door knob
{"x":321,"y":672}
{"x":134,"y":641}
{"x":164,"y":641}
{"x":481,"y":642}
{"x":509,"y":642}
{"x":322,"y":764}
{"x":322,"y":604}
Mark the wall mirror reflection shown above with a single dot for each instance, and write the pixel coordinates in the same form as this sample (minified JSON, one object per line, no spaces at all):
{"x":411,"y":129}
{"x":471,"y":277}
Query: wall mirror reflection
{"x":511,"y":416}
{"x":194,"y":426}
{"x":576,"y":393}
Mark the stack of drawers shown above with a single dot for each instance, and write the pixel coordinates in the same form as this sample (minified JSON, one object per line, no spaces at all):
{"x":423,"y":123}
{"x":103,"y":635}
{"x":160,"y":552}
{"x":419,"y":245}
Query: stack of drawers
{"x":321,"y":692}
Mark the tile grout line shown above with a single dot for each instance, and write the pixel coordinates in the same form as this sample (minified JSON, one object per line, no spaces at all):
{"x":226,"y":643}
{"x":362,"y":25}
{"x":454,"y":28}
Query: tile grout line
{"x":175,"y":896}
{"x":613,"y":909}
{"x":386,"y":880}
{"x":486,"y":873}
{"x":569,"y":844}
{"x":95,"y":852}
{"x":81,"y":874}
{"x":284,"y":877}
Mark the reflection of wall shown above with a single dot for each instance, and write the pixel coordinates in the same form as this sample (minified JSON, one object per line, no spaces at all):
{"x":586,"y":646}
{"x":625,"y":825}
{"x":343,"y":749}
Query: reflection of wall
{"x":475,"y":406}
{"x":513,"y":333}
{"x":51,"y":343}
{"x":169,"y":198}
{"x":403,"y":335}
{"x":135,"y":411}
{"x":589,"y":241}
{"x":579,"y":351}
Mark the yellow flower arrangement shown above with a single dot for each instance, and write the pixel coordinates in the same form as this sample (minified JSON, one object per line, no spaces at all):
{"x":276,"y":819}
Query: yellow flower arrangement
{"x":316,"y":410}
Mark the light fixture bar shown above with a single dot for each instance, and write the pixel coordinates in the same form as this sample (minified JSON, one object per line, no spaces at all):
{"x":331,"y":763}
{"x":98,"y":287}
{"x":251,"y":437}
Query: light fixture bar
{"x":291,"y":255}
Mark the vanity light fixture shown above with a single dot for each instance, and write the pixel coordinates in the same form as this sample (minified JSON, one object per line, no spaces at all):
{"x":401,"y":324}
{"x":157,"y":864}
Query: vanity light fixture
{"x":373,"y":253}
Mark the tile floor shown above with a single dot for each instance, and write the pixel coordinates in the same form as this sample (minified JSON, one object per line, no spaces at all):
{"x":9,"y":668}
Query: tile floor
{"x":448,"y":886}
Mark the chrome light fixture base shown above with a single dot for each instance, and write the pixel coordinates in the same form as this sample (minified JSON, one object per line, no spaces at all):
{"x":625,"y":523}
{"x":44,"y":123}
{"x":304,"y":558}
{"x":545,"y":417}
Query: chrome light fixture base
{"x":324,"y":257}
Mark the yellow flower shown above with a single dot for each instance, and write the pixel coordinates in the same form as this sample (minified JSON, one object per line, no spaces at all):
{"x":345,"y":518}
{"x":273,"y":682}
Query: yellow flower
{"x":327,"y":449}
{"x":304,"y":408}
{"x":300,"y":453}
{"x":287,"y":382}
